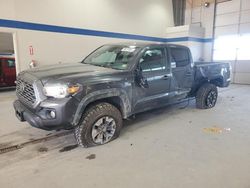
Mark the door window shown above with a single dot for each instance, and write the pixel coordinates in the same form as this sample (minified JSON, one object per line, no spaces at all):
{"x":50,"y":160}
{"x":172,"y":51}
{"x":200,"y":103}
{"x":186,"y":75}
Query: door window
{"x":152,"y":60}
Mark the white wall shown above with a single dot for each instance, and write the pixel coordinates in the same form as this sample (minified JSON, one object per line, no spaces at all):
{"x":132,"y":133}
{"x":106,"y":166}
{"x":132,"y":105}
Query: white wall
{"x":6,"y":43}
{"x":231,"y":18}
{"x":199,"y":15}
{"x":150,"y":18}
{"x":189,"y":31}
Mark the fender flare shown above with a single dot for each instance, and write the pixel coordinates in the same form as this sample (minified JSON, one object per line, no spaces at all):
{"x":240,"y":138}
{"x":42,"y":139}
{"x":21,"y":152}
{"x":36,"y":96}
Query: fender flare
{"x":102,"y":94}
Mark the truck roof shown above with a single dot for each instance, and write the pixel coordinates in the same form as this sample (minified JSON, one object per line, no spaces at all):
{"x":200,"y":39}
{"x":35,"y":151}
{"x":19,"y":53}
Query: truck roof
{"x":145,"y":44}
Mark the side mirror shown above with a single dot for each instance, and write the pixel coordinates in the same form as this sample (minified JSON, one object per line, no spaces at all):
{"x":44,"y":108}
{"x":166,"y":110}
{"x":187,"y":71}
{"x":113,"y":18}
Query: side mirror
{"x":140,"y":79}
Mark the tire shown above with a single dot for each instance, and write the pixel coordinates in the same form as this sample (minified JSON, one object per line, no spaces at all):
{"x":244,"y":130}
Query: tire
{"x":206,"y":96}
{"x":103,"y":120}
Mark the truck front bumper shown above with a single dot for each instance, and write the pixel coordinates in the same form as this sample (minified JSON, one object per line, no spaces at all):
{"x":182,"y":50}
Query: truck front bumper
{"x":40,"y":117}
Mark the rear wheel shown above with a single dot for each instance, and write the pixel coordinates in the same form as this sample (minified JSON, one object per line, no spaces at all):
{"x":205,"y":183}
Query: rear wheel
{"x":206,"y":96}
{"x":101,"y":124}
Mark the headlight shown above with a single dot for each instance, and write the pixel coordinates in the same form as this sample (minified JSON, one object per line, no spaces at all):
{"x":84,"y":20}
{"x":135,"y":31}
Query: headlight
{"x":60,"y":90}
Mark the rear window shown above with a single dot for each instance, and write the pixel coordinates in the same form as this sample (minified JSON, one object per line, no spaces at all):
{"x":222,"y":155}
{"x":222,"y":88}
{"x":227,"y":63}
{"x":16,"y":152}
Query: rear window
{"x":180,"y":56}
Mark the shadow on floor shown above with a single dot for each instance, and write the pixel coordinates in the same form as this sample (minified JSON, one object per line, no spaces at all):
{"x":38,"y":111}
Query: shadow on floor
{"x":7,"y":89}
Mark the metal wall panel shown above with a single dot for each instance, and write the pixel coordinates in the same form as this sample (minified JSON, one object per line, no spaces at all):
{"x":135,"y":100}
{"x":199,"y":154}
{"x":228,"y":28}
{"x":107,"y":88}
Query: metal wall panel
{"x":233,"y":18}
{"x":242,"y":78}
{"x":196,"y":15}
{"x":245,"y":5}
{"x":227,"y":19}
{"x":244,"y":28}
{"x":245,"y":16}
{"x":226,"y":30}
{"x":242,"y":66}
{"x":228,"y":7}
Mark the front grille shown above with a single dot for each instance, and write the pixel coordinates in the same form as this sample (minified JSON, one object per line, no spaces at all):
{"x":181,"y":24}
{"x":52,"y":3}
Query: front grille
{"x":25,"y":91}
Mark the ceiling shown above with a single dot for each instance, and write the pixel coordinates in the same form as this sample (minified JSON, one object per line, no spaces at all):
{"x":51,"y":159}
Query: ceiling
{"x":6,"y":43}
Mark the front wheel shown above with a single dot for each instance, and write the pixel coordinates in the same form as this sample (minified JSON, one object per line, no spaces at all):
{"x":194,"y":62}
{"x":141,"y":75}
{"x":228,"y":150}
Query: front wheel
{"x":101,"y":124}
{"x":206,"y":96}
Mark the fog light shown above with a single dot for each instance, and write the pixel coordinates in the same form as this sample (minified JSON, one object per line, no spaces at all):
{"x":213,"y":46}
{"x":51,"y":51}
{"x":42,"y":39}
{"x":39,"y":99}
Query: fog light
{"x":52,"y":114}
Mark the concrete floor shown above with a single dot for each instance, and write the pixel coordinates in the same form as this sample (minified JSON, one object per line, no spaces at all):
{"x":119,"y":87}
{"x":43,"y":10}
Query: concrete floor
{"x":169,"y":147}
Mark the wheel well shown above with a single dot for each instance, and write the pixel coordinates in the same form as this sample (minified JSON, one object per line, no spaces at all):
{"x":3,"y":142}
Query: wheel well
{"x":218,"y":82}
{"x":116,"y":101}
{"x":197,"y":86}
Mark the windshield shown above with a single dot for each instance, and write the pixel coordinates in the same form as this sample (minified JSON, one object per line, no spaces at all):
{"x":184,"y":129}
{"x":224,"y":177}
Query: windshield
{"x":115,"y":57}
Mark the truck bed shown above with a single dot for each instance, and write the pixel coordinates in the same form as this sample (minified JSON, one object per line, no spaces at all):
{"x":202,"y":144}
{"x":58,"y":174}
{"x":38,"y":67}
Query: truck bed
{"x":212,"y":71}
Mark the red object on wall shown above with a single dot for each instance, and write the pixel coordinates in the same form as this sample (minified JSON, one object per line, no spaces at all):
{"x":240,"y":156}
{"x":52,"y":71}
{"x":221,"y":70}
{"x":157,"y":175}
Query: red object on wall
{"x":31,"y":49}
{"x":7,"y":72}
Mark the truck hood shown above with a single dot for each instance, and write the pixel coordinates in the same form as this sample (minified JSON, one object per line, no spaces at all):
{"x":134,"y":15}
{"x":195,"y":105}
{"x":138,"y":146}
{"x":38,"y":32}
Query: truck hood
{"x":68,"y":72}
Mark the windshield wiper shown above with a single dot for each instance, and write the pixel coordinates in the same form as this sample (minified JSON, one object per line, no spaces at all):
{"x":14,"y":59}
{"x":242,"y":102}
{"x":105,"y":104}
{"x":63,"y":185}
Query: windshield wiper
{"x":109,"y":65}
{"x":100,"y":65}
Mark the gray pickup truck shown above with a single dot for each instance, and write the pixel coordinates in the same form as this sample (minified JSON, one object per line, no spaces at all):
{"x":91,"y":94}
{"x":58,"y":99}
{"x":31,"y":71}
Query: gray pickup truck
{"x":113,"y":83}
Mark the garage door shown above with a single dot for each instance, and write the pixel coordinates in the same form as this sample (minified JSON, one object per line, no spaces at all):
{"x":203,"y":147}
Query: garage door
{"x":232,"y":37}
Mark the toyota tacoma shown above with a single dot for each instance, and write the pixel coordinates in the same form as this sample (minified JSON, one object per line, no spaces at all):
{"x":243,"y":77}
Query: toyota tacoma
{"x":114,"y":83}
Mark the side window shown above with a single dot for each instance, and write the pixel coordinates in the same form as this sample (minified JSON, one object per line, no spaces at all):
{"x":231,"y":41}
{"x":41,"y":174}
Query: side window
{"x":10,"y":63}
{"x":180,"y":56}
{"x":153,"y":60}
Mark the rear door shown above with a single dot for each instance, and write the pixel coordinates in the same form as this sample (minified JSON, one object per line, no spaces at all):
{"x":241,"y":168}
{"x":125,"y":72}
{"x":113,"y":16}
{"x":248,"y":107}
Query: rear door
{"x":182,"y":69}
{"x":156,"y":70}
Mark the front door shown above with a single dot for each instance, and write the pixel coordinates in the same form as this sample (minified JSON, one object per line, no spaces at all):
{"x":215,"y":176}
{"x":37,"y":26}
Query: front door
{"x":156,"y":71}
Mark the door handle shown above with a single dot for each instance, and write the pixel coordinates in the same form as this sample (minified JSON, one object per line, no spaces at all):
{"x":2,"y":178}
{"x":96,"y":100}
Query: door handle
{"x":166,"y":76}
{"x":189,"y":74}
